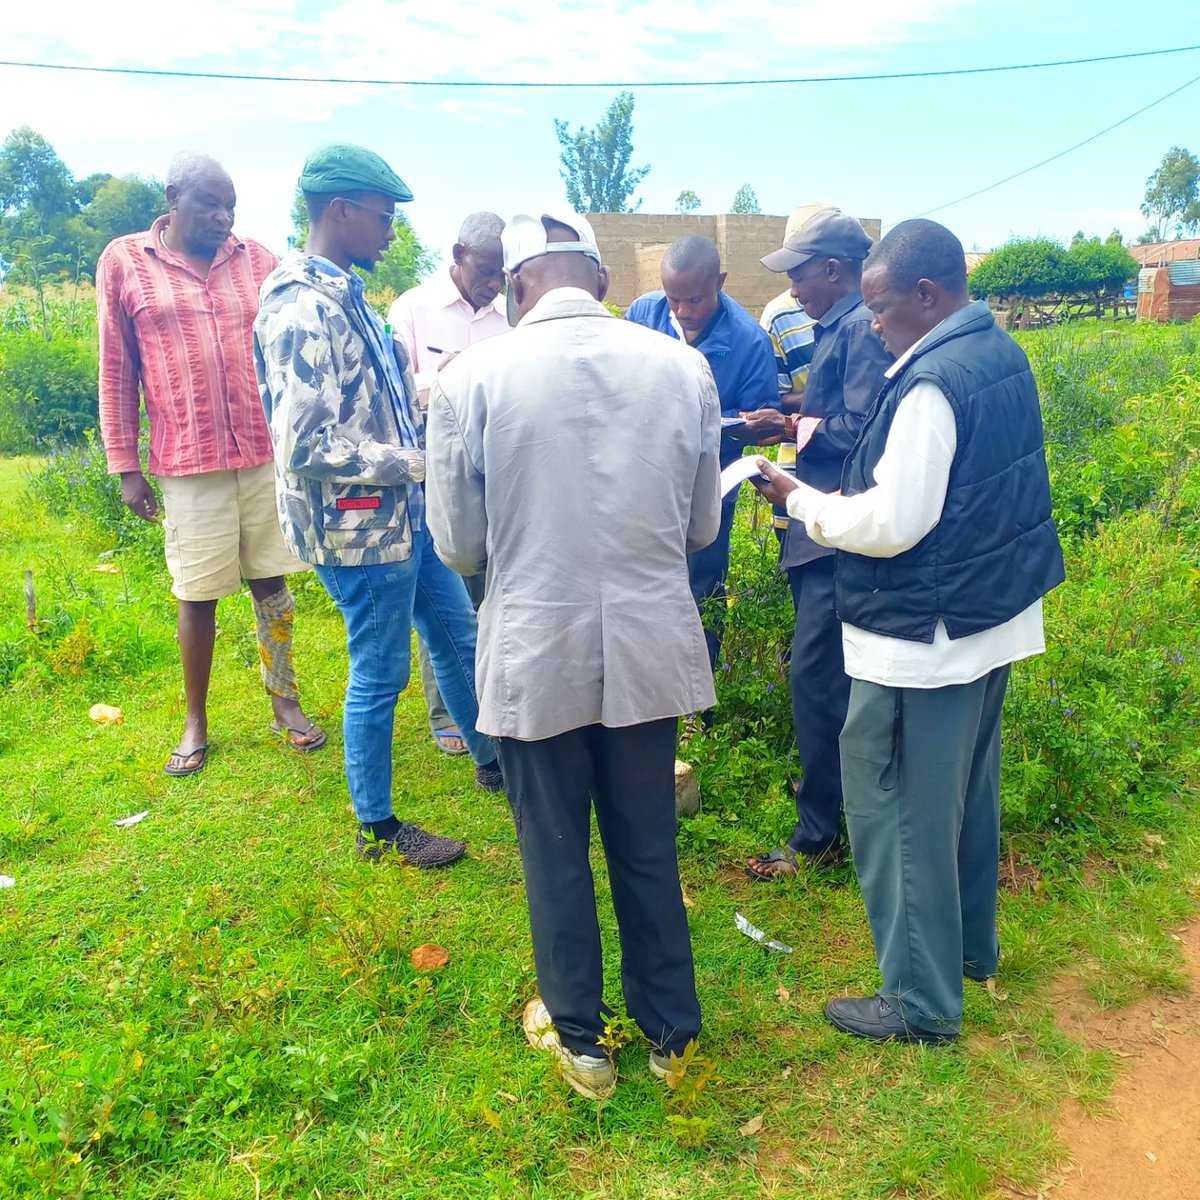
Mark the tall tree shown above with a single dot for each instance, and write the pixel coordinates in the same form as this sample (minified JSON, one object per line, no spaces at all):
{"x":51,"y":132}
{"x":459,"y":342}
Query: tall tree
{"x":121,"y":204}
{"x":595,"y":162}
{"x":687,"y":201}
{"x":37,"y":202}
{"x":745,"y":200}
{"x":1172,"y":201}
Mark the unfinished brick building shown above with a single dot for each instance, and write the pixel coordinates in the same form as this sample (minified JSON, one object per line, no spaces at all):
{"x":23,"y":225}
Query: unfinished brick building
{"x":632,"y":245}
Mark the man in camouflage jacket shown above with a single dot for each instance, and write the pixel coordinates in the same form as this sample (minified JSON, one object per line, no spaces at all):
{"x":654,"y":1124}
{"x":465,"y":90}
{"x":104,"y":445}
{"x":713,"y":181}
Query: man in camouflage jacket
{"x":341,"y":405}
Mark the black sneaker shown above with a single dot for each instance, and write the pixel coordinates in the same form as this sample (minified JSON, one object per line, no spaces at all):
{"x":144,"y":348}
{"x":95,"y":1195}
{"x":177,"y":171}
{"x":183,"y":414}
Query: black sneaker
{"x":490,"y":777}
{"x":412,"y":846}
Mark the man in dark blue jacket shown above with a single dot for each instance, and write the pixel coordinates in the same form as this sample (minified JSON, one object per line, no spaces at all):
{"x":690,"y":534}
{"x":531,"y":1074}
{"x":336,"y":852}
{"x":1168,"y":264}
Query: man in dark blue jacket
{"x":945,"y":547}
{"x":694,"y":308}
{"x":823,"y":259}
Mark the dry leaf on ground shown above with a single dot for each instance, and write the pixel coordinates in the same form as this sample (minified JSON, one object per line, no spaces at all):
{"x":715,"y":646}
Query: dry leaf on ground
{"x":106,"y":714}
{"x":783,"y":994}
{"x":751,"y":1127}
{"x":430,"y":957}
{"x":107,"y":568}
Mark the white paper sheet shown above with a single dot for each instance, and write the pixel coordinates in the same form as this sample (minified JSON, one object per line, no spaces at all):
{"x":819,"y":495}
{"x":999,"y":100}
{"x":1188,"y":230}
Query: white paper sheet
{"x":737,"y":472}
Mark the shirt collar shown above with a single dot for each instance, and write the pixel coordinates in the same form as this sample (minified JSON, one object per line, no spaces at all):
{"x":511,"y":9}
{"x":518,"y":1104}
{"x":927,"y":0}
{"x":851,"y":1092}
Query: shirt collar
{"x":154,"y":244}
{"x":840,"y":309}
{"x":714,"y":338}
{"x":906,"y":357}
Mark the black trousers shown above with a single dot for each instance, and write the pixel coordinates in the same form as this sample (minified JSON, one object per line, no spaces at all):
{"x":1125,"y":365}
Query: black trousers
{"x":820,"y":696}
{"x":630,"y":776}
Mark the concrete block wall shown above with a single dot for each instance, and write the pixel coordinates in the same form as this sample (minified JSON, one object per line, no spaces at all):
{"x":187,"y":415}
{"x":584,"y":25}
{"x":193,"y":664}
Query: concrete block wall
{"x":632,"y":246}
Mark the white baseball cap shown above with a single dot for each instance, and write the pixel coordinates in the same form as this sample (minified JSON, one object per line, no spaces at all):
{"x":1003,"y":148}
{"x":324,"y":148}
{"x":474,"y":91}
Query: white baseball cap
{"x":524,"y":237}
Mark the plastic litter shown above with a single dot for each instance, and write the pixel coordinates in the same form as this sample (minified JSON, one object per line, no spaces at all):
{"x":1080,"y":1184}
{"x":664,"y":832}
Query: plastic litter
{"x":755,"y":934}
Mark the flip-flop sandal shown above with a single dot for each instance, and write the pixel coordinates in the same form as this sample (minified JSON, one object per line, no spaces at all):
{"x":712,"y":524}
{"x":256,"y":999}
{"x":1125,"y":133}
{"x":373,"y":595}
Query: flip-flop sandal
{"x":180,"y":772}
{"x":788,"y":859}
{"x":291,"y":734}
{"x":441,"y":738}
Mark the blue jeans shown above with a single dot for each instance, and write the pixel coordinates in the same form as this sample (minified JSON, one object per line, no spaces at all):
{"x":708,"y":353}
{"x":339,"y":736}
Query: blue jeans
{"x":380,"y":604}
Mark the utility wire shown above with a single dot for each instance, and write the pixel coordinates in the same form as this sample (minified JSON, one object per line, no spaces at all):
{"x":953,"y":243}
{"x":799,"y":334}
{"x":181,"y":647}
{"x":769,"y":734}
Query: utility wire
{"x":653,"y":83}
{"x":1063,"y":153}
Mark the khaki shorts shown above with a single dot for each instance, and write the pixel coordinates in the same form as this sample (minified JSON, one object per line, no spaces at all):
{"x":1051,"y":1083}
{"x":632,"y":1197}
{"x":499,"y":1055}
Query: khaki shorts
{"x":221,"y":527}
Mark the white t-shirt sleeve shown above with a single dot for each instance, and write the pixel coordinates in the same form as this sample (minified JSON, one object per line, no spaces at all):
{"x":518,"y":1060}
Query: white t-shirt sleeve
{"x":910,"y":484}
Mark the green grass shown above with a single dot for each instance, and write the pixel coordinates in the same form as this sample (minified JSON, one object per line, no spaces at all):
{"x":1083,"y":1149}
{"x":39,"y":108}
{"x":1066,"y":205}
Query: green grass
{"x":219,"y":1001}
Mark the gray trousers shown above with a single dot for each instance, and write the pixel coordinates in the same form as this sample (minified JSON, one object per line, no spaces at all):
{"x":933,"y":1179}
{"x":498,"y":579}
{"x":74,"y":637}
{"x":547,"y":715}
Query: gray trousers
{"x":439,"y":718}
{"x":921,"y":777}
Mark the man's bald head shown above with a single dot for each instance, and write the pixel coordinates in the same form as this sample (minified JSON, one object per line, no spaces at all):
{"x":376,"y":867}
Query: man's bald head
{"x":692,"y":280}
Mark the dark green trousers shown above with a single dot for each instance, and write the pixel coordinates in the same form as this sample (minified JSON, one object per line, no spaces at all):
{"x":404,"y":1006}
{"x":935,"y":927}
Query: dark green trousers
{"x":921,"y":781}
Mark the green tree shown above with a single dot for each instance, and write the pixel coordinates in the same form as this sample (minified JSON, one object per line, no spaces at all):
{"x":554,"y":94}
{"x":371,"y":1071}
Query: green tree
{"x":404,"y":265}
{"x":1028,"y":268}
{"x":1172,"y":200}
{"x":121,"y":204}
{"x":1024,"y":267}
{"x":745,"y":200}
{"x":687,"y":201}
{"x":86,"y":189}
{"x":37,"y":201}
{"x":299,"y":219}
{"x":595,"y":162}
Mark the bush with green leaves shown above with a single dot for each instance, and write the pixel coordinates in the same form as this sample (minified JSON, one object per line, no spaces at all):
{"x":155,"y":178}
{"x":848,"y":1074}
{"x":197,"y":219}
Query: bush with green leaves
{"x":1100,"y":732}
{"x":47,"y":390}
{"x":1032,"y":267}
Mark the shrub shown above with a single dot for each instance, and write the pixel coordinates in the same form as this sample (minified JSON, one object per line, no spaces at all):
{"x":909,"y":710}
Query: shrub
{"x":74,"y":480}
{"x":47,"y":389}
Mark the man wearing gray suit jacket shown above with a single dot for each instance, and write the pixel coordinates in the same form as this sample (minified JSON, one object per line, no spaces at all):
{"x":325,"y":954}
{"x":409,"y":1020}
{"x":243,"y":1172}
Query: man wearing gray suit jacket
{"x":576,"y":462}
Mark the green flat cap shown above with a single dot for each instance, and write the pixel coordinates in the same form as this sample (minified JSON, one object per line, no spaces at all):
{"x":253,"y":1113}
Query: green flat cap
{"x":344,"y":167}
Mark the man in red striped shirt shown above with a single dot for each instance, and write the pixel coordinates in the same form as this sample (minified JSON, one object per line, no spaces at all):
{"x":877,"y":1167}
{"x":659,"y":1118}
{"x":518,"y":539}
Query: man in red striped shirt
{"x":176,"y":307}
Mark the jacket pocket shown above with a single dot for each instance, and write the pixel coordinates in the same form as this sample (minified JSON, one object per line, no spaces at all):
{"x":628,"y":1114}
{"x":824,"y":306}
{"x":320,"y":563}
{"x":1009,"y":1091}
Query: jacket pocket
{"x":355,"y":507}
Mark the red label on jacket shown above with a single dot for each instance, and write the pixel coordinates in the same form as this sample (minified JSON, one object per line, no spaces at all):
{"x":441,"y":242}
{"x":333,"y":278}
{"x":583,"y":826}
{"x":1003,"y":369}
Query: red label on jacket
{"x":352,"y":502}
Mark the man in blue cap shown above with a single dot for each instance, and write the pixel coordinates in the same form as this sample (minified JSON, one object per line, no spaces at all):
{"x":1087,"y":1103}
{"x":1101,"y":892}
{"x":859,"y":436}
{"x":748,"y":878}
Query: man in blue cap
{"x":342,"y":408}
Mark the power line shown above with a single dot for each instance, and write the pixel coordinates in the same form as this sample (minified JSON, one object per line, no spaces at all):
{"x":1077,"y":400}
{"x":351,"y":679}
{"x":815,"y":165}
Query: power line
{"x":1063,"y":153}
{"x":653,"y":83}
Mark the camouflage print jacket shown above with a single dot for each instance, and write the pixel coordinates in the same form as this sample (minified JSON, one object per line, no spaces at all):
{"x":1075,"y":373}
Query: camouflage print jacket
{"x":344,"y":482}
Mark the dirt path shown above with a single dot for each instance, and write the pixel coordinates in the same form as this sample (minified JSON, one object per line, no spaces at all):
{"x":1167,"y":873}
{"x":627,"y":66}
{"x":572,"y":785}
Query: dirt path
{"x":1149,"y":1147}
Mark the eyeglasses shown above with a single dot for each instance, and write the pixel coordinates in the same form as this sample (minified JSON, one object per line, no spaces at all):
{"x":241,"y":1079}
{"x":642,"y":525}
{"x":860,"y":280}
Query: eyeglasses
{"x":385,"y":218}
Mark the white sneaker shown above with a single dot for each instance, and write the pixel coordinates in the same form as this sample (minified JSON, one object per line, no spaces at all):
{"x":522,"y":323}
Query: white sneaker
{"x":660,"y":1064}
{"x":595,"y":1078}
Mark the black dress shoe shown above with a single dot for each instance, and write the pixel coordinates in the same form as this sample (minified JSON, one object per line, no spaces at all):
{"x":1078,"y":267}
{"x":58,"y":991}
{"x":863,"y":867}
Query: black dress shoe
{"x":873,"y":1017}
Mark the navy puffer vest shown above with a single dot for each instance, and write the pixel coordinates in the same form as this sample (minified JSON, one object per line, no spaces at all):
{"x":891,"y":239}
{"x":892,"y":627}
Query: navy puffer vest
{"x":995,"y":549}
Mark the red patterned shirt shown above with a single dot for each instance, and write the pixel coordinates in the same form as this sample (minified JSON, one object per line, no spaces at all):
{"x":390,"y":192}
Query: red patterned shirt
{"x":188,"y":342}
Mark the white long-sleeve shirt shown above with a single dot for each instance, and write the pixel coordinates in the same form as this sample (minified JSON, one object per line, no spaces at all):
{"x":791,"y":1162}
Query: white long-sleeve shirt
{"x":893,"y":516}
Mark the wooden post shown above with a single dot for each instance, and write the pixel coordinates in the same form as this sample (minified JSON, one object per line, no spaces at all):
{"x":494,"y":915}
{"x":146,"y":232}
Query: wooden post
{"x":30,"y":603}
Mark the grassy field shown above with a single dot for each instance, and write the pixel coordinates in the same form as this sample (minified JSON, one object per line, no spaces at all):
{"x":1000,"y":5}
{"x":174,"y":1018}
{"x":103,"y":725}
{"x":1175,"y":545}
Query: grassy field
{"x":219,"y":1001}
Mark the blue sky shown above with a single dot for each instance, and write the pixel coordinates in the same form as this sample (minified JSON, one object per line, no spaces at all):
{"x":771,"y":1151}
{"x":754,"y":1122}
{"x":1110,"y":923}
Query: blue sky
{"x":885,"y":149}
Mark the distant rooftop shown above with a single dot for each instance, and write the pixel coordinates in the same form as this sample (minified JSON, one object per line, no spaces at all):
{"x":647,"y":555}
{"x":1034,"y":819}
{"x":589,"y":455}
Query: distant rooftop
{"x":1157,"y":254}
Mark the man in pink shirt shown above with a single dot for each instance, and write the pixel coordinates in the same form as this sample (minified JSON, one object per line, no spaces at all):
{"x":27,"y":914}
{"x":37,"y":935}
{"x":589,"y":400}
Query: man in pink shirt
{"x":176,"y":307}
{"x":438,"y":319}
